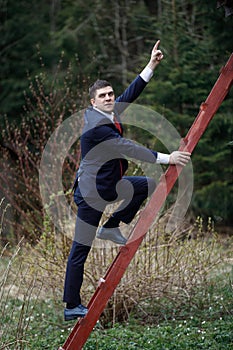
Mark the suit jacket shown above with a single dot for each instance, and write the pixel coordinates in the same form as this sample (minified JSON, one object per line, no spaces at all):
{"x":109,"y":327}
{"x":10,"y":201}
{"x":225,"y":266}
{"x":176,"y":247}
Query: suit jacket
{"x":103,"y":150}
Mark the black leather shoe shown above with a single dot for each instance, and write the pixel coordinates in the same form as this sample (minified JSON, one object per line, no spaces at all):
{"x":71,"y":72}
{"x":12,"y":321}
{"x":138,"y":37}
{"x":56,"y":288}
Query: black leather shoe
{"x":112,"y":234}
{"x":78,"y":311}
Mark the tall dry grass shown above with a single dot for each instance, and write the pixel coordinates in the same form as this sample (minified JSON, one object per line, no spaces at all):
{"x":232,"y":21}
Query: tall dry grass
{"x":19,"y":291}
{"x":170,"y":267}
{"x":166,"y":266}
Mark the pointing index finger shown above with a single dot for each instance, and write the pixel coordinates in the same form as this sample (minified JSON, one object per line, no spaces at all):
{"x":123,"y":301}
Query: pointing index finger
{"x":155,"y":48}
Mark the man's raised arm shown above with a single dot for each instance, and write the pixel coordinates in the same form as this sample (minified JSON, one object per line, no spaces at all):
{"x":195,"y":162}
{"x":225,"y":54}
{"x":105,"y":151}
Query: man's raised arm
{"x":139,"y":83}
{"x":155,"y":58}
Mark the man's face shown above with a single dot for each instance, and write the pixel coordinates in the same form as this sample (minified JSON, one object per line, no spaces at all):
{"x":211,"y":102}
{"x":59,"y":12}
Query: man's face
{"x":104,"y":99}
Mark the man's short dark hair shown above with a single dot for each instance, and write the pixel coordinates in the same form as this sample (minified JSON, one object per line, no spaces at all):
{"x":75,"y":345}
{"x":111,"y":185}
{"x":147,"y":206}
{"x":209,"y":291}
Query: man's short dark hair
{"x":98,"y":84}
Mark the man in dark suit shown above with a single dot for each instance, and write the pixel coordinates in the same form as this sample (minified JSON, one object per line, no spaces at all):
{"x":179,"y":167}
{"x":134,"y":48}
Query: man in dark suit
{"x":100,"y":179}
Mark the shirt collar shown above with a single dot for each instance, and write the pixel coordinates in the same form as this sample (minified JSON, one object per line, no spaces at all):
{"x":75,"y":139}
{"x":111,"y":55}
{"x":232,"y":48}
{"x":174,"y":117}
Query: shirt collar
{"x":108,"y":115}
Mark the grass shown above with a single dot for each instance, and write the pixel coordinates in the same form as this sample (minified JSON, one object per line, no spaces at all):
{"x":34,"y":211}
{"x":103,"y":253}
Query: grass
{"x":182,"y":335}
{"x":207,"y":324}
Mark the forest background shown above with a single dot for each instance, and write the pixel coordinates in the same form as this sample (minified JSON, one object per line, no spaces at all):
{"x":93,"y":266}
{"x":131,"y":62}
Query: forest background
{"x":52,"y":50}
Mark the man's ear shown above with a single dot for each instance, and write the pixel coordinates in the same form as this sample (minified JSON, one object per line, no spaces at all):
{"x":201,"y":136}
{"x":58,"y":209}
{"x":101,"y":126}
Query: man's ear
{"x":92,"y":100}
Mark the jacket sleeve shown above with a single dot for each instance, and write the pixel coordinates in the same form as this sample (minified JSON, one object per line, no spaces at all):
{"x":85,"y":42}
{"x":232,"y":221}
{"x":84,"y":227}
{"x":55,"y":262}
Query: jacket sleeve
{"x":113,"y":145}
{"x":130,"y":94}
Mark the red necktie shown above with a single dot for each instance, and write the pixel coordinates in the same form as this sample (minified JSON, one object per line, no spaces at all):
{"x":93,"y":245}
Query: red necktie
{"x":119,"y":128}
{"x":117,"y":125}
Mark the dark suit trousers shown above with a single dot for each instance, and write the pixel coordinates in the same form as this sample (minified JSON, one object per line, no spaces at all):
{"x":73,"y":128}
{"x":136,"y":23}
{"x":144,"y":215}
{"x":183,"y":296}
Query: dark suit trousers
{"x":133,"y":190}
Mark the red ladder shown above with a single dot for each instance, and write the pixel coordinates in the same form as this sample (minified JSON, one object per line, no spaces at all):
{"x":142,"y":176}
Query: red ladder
{"x":107,"y":285}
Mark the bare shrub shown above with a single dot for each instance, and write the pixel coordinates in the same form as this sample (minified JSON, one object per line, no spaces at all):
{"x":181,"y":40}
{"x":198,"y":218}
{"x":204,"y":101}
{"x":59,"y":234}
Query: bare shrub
{"x":49,"y":102}
{"x":169,"y":267}
{"x":47,"y":260}
{"x":172,"y":267}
